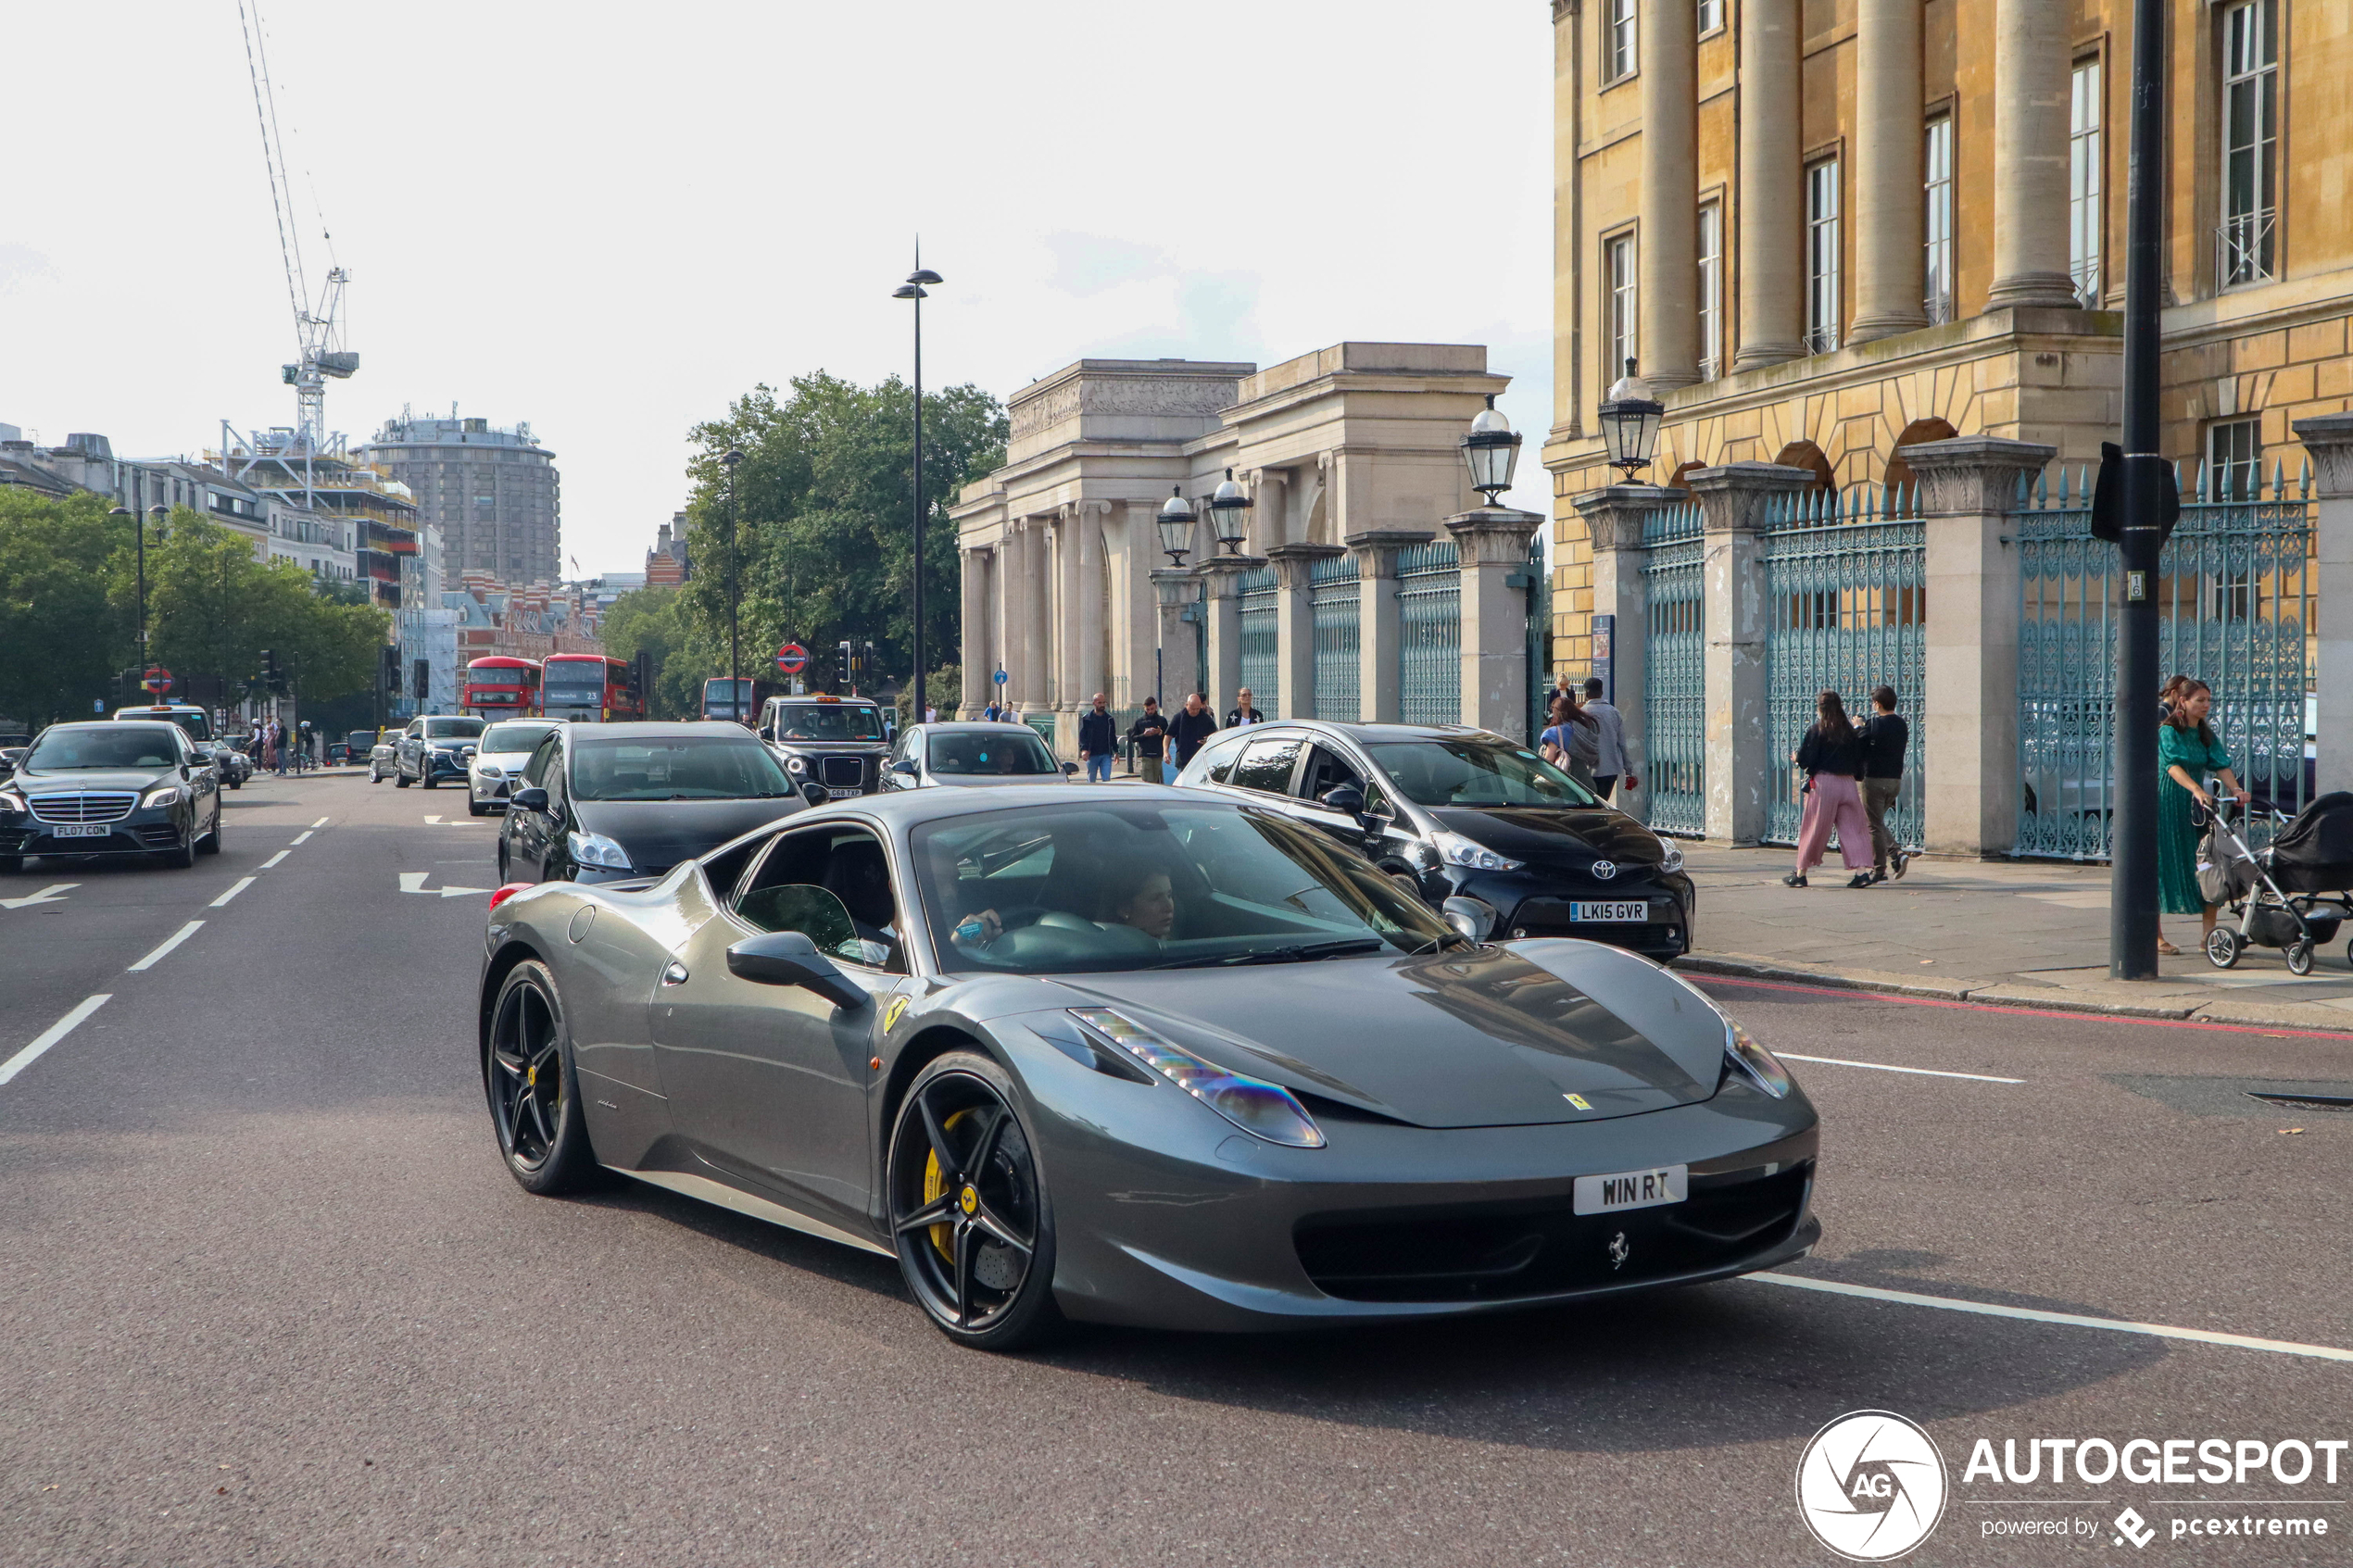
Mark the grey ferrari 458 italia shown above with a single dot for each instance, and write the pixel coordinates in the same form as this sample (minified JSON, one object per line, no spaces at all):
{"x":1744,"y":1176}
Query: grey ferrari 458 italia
{"x":1139,"y":1056}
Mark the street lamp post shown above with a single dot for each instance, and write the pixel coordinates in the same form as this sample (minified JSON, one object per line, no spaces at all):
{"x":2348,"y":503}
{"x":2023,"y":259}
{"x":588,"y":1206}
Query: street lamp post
{"x":1176,"y":524}
{"x":1490,"y":451}
{"x":1230,"y":508}
{"x":913,"y":289}
{"x":1630,"y":424}
{"x":735,"y":589}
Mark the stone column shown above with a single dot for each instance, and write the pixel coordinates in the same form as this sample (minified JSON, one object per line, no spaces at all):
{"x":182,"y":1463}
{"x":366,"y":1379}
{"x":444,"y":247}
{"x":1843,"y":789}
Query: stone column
{"x":1771,"y":220}
{"x":1380,"y":628}
{"x":1178,"y":591}
{"x":1269,"y":524}
{"x":2030,"y":67}
{"x":1668,"y":248}
{"x":1733,"y":501}
{"x":1890,"y":204}
{"x":1613,"y":518}
{"x":1090,"y":594}
{"x":1493,"y":544}
{"x":1295,"y":625}
{"x":1062,"y":633}
{"x":1968,"y":713}
{"x":2329,"y":439}
{"x":1028,"y":598}
{"x":1220,"y":578}
{"x":974,"y":655}
{"x":1137,"y":633}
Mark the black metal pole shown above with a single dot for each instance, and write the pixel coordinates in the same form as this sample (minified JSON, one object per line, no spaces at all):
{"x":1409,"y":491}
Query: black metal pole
{"x":917,"y":713}
{"x":2133,"y":893}
{"x":734,"y":583}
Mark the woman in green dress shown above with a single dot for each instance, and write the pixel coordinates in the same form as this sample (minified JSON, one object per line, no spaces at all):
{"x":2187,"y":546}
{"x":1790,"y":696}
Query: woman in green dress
{"x":2187,"y":751}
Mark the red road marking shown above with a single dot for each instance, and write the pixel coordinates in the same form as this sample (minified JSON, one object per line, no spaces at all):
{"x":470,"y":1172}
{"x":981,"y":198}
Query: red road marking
{"x":1699,"y":977}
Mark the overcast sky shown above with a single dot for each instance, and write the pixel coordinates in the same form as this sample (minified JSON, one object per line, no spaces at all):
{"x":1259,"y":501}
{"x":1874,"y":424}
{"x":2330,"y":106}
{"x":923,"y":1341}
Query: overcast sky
{"x":610,"y":219}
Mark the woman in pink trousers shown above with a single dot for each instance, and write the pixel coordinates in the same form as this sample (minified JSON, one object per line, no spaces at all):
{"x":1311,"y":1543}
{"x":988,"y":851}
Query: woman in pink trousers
{"x":1832,"y":759}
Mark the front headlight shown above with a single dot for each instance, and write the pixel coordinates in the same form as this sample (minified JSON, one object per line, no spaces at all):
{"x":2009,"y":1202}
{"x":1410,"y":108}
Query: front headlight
{"x":163,"y":797}
{"x":596,"y":849}
{"x":795,"y":766}
{"x":1258,"y":1108}
{"x":489,"y":770}
{"x":1673,"y":860}
{"x":11,"y":801}
{"x":1457,"y":850}
{"x":1755,"y":1063}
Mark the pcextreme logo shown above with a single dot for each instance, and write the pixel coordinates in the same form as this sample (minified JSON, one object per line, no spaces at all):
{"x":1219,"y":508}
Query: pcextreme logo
{"x":1871,"y":1485}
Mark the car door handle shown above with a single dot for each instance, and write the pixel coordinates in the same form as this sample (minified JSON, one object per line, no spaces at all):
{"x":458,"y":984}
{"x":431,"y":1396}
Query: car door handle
{"x":673,"y":974}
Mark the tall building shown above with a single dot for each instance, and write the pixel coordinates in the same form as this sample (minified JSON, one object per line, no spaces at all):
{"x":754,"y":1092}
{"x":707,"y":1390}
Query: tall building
{"x":330,"y":510}
{"x":495,"y":494}
{"x":666,"y":562}
{"x":1828,"y":232}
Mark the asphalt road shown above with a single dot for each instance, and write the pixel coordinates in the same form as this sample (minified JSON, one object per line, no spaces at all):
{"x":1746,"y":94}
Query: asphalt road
{"x":267,"y":1295}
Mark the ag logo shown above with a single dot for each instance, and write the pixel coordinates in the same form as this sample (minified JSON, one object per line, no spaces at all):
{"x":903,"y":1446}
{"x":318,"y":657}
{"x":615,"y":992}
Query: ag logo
{"x":1871,"y":1485}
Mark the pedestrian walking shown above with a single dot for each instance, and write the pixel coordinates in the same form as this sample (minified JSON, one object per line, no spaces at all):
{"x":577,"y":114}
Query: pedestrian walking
{"x":1243,"y":713}
{"x":1572,"y":742}
{"x":989,"y":714}
{"x":1098,"y":738}
{"x":1886,"y":738}
{"x":1609,"y":737}
{"x":2187,"y":752}
{"x":1190,"y":728}
{"x":1149,"y":735}
{"x":1832,"y":758}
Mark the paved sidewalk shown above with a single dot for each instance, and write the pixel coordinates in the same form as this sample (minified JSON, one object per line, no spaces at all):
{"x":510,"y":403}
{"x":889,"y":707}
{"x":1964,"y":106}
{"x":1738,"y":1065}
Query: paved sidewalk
{"x":2029,"y":932}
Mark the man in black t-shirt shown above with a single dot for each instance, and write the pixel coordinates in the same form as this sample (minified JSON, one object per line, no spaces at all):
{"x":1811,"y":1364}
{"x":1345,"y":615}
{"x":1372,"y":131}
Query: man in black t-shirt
{"x":1191,"y":728}
{"x":1886,"y":738}
{"x":1150,"y":734}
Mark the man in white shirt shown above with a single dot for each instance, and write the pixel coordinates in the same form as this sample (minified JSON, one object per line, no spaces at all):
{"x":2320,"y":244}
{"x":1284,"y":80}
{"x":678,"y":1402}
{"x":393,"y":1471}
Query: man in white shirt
{"x":1611,"y":738}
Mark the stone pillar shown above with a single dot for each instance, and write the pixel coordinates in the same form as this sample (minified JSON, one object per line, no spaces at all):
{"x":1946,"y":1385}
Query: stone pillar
{"x":2030,"y":65}
{"x":974,"y":655}
{"x":1380,"y":629}
{"x":1178,"y":591}
{"x":1062,"y":625}
{"x":1968,"y":714}
{"x":1771,"y":220}
{"x":2329,"y":439}
{"x":1221,"y":578}
{"x":1091,"y":593}
{"x":1269,"y":525}
{"x":1493,"y":544}
{"x":1029,"y":600}
{"x":1295,"y":625}
{"x":1613,"y":518}
{"x":1740,"y":772}
{"x":1890,"y":204}
{"x":1667,"y":254}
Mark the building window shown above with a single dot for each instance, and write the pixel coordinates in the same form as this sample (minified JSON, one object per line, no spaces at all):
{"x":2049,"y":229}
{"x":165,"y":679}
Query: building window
{"x":1711,"y":291}
{"x":1617,"y":35}
{"x":2250,"y":144}
{"x":2234,"y":458}
{"x":2084,"y":230}
{"x":1821,"y":257}
{"x":1618,"y":255}
{"x":1711,"y":15}
{"x":1937,"y":276}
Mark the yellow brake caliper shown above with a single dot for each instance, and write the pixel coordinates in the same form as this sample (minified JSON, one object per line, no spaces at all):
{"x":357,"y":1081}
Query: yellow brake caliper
{"x":935,"y":1187}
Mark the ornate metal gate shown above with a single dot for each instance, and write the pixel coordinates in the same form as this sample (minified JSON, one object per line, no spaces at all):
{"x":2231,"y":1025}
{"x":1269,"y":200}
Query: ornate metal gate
{"x":1429,"y":643}
{"x":2235,"y":591}
{"x":1674,"y":696}
{"x":1846,"y":589}
{"x":1261,"y":661}
{"x":1333,"y":597}
{"x":1539,"y":639}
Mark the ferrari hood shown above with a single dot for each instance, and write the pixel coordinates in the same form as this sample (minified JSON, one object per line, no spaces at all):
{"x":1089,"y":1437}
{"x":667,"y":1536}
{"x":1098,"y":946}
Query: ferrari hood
{"x":1500,"y":1036}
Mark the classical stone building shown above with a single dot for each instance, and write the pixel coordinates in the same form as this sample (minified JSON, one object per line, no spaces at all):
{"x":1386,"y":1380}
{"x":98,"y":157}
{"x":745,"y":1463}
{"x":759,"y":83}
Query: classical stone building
{"x":1831,"y":229}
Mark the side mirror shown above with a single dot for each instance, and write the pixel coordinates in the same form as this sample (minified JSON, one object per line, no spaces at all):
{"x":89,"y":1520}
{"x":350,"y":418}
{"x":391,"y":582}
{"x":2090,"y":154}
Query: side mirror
{"x":789,"y":957}
{"x":186,"y":771}
{"x":1474,"y":917}
{"x":905,"y":767}
{"x":530,"y":797}
{"x":814,"y":792}
{"x":767,"y":732}
{"x":1343,"y":797}
{"x":1069,"y":768}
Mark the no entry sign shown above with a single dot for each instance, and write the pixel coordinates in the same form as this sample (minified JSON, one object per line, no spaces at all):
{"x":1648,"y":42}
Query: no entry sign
{"x":792,"y":658}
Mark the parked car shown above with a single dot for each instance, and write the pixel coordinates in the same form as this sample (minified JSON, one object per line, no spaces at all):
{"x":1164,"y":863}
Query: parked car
{"x":971,"y":754}
{"x":1452,"y":812}
{"x":607,"y":802}
{"x":99,"y":788}
{"x":498,"y":756}
{"x":357,"y":746}
{"x":834,"y":741}
{"x":233,"y":765}
{"x":434,"y":748}
{"x":12,"y":746}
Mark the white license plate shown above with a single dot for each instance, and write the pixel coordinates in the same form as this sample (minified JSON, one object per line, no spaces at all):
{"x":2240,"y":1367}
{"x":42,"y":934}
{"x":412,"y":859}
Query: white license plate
{"x":1633,"y":1190}
{"x":1637,"y":910}
{"x":841,"y":794}
{"x":81,"y":830}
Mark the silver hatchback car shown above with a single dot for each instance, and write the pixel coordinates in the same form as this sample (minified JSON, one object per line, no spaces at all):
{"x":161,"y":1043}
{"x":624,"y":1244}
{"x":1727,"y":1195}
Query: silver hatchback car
{"x":971,"y":754}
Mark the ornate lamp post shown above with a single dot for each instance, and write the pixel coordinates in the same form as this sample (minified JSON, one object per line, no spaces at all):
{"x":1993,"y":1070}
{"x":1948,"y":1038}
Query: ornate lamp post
{"x":1630,"y":423}
{"x":1229,"y":510}
{"x":1490,"y":451}
{"x":913,"y":289}
{"x":1176,"y":524}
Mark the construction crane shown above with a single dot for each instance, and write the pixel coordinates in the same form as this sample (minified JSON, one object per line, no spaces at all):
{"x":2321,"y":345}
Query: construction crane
{"x":318,"y":329}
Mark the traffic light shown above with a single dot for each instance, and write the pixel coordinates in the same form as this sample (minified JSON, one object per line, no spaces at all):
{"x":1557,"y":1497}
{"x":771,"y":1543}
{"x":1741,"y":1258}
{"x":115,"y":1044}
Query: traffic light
{"x":421,"y":671}
{"x":641,"y":680}
{"x":272,"y":681}
{"x":845,"y":663}
{"x":390,"y":674}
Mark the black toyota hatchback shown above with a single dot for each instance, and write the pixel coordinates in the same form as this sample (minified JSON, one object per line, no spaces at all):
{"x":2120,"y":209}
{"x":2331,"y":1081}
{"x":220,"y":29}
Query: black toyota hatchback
{"x":1463,"y":813}
{"x":111,"y":787}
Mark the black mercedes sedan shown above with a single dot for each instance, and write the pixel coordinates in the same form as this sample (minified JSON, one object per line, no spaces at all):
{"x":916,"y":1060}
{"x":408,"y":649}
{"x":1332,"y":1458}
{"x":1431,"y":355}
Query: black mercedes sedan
{"x":1463,"y":813}
{"x":111,"y":787}
{"x":605,"y":802}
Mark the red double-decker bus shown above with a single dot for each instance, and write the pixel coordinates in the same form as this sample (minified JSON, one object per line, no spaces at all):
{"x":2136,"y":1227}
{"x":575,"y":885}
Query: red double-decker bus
{"x":588,"y":688}
{"x":499,"y":687}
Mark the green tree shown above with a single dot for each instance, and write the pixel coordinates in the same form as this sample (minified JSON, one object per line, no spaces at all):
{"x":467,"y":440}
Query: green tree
{"x":63,"y":639}
{"x":649,"y":622}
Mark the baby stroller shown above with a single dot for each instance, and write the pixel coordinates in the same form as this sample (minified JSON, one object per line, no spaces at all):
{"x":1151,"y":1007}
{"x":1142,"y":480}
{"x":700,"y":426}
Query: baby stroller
{"x":2291,"y":894}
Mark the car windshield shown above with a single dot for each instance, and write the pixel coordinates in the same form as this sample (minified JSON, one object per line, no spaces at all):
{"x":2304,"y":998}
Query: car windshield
{"x":513,"y":737}
{"x":676,"y":767}
{"x":192,"y":719}
{"x":1054,"y":890}
{"x":452,"y":729}
{"x":1002,"y":750}
{"x":118,"y":746}
{"x":1468,"y":772}
{"x":827,"y":721}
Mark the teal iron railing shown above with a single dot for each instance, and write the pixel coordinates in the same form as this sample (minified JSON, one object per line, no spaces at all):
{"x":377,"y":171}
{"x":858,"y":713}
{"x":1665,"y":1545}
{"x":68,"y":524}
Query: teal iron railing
{"x":1262,"y":658}
{"x":1673,"y":798}
{"x":1429,"y":651}
{"x":1334,"y":596}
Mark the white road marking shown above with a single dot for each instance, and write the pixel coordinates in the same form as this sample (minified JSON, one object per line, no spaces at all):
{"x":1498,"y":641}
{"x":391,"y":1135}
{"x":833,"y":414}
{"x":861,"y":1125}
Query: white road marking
{"x":275,"y":858}
{"x":414,"y":882}
{"x":242,"y":884}
{"x":299,"y":837}
{"x":322,"y":821}
{"x":168,"y":943}
{"x":1883,"y":1067}
{"x":2069,"y":1319}
{"x":49,"y":894}
{"x":434,"y":820}
{"x":52,"y":1034}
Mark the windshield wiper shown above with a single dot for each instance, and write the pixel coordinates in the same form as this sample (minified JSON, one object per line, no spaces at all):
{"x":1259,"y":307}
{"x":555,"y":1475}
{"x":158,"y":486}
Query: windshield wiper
{"x":1304,"y":952}
{"x":1440,"y":943}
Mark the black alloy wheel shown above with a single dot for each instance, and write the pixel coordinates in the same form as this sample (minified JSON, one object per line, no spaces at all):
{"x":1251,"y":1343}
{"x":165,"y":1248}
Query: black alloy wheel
{"x":399,"y":779}
{"x":185,"y":857}
{"x":968,"y":1214}
{"x":211,"y":845}
{"x":534,"y":1090}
